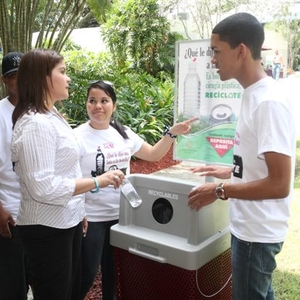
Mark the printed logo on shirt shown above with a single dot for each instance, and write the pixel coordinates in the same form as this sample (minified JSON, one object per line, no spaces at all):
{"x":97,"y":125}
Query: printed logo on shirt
{"x":237,"y":166}
{"x":108,"y":145}
{"x":100,"y":163}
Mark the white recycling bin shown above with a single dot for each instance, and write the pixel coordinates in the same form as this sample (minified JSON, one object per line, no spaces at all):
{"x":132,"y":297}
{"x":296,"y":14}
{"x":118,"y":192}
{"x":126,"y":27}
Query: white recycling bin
{"x":164,"y":230}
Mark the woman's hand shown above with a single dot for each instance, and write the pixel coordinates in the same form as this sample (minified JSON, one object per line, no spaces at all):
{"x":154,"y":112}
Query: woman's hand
{"x":5,"y":219}
{"x":114,"y":177}
{"x":182,"y":127}
{"x":85,"y":225}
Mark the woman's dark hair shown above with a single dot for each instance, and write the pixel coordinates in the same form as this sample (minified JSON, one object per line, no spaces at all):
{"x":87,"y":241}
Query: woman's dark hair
{"x":107,"y":88}
{"x":242,"y":28}
{"x":32,"y":85}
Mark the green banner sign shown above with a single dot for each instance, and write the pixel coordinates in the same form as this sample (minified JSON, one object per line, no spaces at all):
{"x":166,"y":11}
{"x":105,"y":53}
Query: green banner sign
{"x":200,"y":92}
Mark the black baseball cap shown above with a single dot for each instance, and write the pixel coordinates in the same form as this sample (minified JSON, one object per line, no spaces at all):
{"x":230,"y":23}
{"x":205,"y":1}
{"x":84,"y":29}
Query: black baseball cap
{"x":11,"y":62}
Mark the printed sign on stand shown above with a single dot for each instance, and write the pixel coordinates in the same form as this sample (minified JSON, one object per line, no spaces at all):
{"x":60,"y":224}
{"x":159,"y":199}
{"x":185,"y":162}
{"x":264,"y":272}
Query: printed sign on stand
{"x":200,"y":92}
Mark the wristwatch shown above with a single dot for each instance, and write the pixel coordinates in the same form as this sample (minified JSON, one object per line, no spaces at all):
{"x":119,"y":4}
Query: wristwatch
{"x":220,"y":192}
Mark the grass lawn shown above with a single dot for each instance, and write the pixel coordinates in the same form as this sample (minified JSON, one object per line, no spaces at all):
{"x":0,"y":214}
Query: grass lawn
{"x":286,"y":280}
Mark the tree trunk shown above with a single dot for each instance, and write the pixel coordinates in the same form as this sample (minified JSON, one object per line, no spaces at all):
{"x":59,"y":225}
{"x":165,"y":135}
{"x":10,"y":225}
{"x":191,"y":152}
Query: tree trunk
{"x":18,"y":21}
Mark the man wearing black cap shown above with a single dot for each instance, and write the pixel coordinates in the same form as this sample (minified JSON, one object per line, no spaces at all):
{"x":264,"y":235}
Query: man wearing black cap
{"x":12,"y":272}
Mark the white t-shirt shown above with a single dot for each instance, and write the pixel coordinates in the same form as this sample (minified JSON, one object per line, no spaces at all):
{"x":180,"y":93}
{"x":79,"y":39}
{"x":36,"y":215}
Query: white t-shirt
{"x":265,"y":124}
{"x":117,"y":151}
{"x":9,"y":182}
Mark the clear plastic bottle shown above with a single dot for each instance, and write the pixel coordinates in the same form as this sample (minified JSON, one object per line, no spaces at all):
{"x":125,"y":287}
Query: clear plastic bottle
{"x":192,"y":92}
{"x":131,"y":194}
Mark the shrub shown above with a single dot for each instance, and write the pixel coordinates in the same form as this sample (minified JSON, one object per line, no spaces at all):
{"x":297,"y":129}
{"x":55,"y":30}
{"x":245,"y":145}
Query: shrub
{"x":144,"y":103}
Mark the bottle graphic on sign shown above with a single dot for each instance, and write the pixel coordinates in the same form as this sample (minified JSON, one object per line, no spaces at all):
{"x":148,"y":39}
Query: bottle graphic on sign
{"x":192,"y":92}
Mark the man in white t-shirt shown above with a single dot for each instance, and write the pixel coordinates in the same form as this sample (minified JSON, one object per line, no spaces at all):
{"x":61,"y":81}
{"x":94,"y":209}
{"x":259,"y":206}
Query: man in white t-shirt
{"x":263,"y":164}
{"x":12,"y":272}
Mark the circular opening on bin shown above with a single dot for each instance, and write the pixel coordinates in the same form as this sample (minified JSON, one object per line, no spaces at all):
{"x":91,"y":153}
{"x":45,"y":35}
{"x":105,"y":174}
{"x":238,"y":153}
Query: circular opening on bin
{"x":162,"y":211}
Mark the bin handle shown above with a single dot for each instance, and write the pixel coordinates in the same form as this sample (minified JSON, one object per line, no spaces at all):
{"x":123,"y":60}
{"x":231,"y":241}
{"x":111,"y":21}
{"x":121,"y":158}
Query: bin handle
{"x":147,"y":255}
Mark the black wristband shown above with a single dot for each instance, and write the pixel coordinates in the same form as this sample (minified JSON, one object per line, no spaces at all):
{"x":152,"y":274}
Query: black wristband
{"x":167,"y":132}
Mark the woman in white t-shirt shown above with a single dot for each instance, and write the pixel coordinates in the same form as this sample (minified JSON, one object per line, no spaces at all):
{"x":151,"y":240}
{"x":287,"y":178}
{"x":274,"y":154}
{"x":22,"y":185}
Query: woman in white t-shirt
{"x":108,"y":145}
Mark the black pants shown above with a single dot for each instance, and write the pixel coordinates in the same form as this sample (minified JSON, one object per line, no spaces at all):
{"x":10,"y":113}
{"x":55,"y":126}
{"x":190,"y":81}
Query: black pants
{"x":13,"y":284}
{"x":53,"y":261}
{"x":97,"y":251}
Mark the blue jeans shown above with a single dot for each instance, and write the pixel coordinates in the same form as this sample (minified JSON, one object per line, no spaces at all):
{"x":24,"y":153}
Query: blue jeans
{"x":276,"y":71}
{"x":252,"y":268}
{"x":97,"y":251}
{"x":13,"y":283}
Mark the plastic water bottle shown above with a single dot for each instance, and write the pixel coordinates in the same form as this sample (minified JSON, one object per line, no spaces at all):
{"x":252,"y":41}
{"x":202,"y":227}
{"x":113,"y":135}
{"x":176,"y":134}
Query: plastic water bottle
{"x":131,"y":194}
{"x":192,"y":92}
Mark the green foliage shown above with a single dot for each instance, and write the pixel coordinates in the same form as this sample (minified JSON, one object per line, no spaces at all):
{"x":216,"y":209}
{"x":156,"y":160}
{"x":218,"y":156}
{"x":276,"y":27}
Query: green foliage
{"x":19,"y":19}
{"x":139,"y":37}
{"x":70,"y":46}
{"x":82,"y":67}
{"x":296,"y":63}
{"x":144,"y":103}
{"x":100,"y":8}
